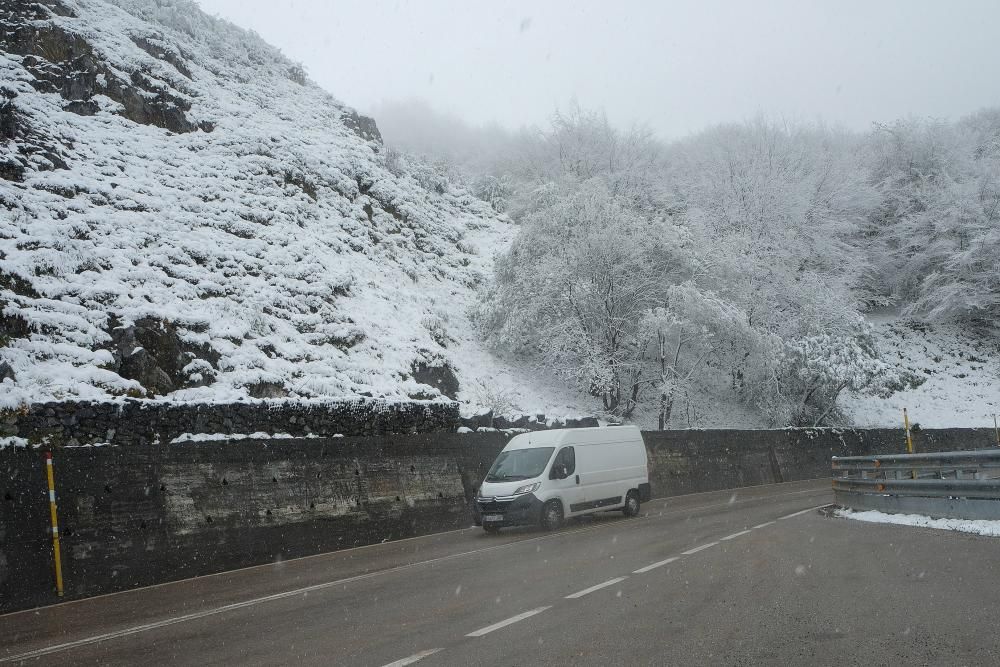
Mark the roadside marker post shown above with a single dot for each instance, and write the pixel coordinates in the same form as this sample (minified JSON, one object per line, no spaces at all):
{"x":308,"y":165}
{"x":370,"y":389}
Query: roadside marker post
{"x":909,"y":440}
{"x":55,"y":522}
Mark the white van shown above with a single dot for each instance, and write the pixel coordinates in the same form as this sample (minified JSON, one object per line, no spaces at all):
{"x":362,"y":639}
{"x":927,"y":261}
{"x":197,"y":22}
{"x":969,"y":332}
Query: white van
{"x":545,"y":476}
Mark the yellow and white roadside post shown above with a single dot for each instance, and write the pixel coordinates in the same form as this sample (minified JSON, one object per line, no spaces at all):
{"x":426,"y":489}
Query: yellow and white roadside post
{"x":55,"y":522}
{"x":909,"y":440}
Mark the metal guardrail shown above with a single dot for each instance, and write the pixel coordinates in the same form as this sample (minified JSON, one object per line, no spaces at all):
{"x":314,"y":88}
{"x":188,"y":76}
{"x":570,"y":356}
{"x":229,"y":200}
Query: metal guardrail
{"x":958,"y":485}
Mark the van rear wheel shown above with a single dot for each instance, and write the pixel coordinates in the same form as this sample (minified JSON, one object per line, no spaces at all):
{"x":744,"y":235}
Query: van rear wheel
{"x":631,"y":504}
{"x":552,"y":515}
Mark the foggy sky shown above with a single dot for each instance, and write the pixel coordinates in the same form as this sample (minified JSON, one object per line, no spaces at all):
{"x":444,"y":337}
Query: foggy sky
{"x":678,"y":66}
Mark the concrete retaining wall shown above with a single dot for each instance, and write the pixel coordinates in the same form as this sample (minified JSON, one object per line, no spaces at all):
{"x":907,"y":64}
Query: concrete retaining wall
{"x":136,"y":515}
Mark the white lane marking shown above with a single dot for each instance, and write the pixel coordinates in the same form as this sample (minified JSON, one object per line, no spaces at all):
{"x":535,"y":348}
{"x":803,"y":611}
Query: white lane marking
{"x":609,"y":582}
{"x":733,"y":536}
{"x":125,"y":632}
{"x":643,"y":570}
{"x":763,"y":525}
{"x":416,"y":657}
{"x":510,"y":621}
{"x":56,"y":648}
{"x":697,"y":549}
{"x":805,"y":511}
{"x":342,"y":552}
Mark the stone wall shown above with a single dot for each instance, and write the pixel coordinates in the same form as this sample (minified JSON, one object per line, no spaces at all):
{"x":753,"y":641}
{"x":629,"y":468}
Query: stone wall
{"x":133,"y":516}
{"x":138,"y":514}
{"x":132,"y":422}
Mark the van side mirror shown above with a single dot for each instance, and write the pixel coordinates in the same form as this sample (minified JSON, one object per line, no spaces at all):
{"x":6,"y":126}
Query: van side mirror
{"x":558,"y":472}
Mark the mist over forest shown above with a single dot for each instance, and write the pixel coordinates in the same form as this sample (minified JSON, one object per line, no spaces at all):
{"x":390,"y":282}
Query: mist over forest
{"x":744,"y":260}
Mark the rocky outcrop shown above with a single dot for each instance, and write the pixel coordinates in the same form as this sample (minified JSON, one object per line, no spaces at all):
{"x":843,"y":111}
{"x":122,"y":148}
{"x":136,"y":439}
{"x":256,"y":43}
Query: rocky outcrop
{"x":438,"y":374}
{"x":64,"y":62}
{"x":31,"y":147}
{"x":152,"y":352}
{"x":363,"y":126}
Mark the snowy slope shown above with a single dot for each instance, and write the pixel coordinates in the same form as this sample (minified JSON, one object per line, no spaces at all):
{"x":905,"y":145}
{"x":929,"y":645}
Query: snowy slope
{"x":166,"y":168}
{"x":961,"y":376}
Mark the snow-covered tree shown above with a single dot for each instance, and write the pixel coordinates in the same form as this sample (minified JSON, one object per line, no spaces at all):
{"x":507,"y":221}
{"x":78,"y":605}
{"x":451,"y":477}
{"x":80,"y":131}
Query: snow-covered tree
{"x":814,"y":370}
{"x":575,"y":286}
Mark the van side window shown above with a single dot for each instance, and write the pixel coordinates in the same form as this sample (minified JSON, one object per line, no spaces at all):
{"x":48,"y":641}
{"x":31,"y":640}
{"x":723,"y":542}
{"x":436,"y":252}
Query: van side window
{"x":566,"y":457}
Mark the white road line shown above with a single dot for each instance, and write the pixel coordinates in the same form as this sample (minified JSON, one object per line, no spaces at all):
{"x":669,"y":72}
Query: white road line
{"x":125,"y":632}
{"x":763,"y":525}
{"x":733,"y":536}
{"x":136,"y":629}
{"x":643,"y":570}
{"x":416,"y":657}
{"x":805,"y":511}
{"x":341,"y":552}
{"x":697,"y":549}
{"x":610,"y":582}
{"x":510,"y":621}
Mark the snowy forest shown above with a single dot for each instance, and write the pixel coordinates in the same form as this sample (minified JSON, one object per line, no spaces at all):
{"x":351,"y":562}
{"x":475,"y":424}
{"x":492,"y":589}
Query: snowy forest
{"x":226,"y":230}
{"x":742,"y":260}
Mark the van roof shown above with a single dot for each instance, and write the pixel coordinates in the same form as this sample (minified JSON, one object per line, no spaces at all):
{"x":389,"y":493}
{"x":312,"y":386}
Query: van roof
{"x":557,"y":436}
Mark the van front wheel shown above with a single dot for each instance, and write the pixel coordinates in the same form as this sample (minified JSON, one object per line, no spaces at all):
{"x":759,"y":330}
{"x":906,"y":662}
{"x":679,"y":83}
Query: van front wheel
{"x":552,"y":515}
{"x":631,"y":504}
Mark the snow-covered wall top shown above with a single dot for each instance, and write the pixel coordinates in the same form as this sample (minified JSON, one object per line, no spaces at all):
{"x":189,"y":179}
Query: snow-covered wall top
{"x":184,"y":214}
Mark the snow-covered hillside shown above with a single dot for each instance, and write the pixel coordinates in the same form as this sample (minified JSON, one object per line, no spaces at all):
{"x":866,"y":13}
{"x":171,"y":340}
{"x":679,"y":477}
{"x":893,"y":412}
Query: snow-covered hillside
{"x":185,"y":215}
{"x":960,"y":373}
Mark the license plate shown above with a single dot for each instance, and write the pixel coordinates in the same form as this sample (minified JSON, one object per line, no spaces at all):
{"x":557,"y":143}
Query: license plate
{"x":493,"y":517}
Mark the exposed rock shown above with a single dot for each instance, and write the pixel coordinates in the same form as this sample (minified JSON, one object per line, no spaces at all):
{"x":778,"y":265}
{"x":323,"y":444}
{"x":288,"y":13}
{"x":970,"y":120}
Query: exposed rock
{"x":11,"y":170}
{"x":475,"y":421}
{"x":17,"y":285}
{"x":267,"y":390}
{"x":83,"y":107}
{"x":161,"y":50}
{"x":30,"y":144}
{"x":12,"y":326}
{"x":503,"y":423}
{"x":152,"y":353}
{"x":6,"y":372}
{"x":363,"y":126}
{"x":64,"y":62}
{"x":140,"y":365}
{"x":439,"y":376}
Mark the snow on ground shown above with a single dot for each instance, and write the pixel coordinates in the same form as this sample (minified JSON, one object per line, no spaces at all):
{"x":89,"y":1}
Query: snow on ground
{"x":278,"y":237}
{"x":961,"y":376}
{"x":975,"y":526}
{"x":185,"y":438}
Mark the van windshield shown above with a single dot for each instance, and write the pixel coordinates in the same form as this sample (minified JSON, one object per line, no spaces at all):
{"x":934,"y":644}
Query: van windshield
{"x":519,"y":464}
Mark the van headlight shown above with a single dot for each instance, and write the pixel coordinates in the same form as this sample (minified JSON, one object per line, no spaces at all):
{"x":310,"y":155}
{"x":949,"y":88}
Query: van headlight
{"x":527,"y":488}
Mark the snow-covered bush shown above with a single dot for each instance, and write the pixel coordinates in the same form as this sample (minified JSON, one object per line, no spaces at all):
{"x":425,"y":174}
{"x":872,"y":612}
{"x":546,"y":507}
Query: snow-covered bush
{"x":812,"y":372}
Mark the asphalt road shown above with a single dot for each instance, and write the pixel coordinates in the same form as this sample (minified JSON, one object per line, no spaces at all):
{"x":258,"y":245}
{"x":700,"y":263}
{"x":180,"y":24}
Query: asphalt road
{"x":751,"y":576}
